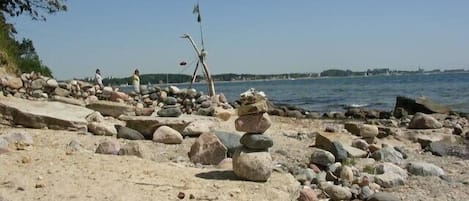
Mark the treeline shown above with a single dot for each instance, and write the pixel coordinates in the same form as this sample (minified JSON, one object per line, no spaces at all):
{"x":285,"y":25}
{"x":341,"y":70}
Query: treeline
{"x":19,"y":56}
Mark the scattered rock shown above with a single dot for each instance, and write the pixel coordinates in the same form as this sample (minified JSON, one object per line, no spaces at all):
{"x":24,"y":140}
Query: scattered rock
{"x":21,"y":138}
{"x":207,"y":150}
{"x":329,"y":142}
{"x":424,"y":121}
{"x":424,"y":169}
{"x":384,"y":168}
{"x":196,"y":128}
{"x":338,"y":193}
{"x":131,"y":149}
{"x":322,"y":157}
{"x":102,"y":128}
{"x":368,"y":131}
{"x":128,"y":133}
{"x":388,"y":154}
{"x":352,"y":127}
{"x":230,"y":140}
{"x":226,"y":164}
{"x":108,"y":147}
{"x":389,"y":180}
{"x":308,"y":194}
{"x":254,"y":108}
{"x":113,"y":109}
{"x":383,"y":196}
{"x":346,"y":173}
{"x":173,"y":111}
{"x":167,"y":135}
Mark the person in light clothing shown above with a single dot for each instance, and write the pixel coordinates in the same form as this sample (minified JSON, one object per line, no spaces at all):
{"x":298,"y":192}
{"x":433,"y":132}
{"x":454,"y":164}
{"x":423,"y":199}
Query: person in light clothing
{"x":98,"y":79}
{"x":136,"y":81}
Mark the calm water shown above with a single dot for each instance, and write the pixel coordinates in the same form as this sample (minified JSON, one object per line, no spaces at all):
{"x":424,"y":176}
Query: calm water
{"x":333,"y":94}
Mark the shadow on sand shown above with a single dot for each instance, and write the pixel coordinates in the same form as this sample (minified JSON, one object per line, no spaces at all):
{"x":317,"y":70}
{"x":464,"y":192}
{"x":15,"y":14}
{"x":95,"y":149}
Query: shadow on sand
{"x":219,"y":175}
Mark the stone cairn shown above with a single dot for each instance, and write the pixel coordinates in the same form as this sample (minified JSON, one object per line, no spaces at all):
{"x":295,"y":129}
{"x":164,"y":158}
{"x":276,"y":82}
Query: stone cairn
{"x":253,"y":161}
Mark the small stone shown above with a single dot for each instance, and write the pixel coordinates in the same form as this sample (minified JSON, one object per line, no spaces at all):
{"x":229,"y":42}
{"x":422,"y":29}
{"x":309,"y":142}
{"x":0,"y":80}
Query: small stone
{"x":346,"y":174}
{"x":25,"y":159}
{"x":40,"y":185}
{"x":170,"y":112}
{"x":171,"y":101}
{"x":196,"y":128}
{"x":388,"y":154}
{"x":365,"y":192}
{"x":424,"y":121}
{"x":384,"y":168}
{"x":102,"y":128}
{"x":352,"y":127}
{"x":360,"y":144}
{"x":389,"y":180}
{"x":226,"y":164}
{"x":181,"y":195}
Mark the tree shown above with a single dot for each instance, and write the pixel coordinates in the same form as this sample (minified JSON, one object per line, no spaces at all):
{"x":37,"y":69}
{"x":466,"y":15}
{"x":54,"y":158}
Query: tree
{"x":34,"y":8}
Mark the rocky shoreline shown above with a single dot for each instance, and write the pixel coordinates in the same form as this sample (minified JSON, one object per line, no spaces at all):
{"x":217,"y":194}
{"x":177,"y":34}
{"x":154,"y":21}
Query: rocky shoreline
{"x":74,"y":134}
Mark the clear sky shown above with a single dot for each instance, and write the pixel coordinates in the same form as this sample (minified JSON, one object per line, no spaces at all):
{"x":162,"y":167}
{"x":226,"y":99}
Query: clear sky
{"x":251,"y":36}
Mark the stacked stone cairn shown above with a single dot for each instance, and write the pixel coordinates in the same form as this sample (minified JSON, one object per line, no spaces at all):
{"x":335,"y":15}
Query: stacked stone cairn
{"x":171,"y":109}
{"x":253,"y":161}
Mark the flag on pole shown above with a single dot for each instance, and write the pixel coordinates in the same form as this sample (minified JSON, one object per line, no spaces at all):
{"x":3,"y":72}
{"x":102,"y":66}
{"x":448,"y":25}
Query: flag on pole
{"x":197,"y":10}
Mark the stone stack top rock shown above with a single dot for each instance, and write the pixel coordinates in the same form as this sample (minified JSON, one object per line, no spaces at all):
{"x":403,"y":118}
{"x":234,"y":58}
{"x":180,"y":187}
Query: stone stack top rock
{"x":252,"y":96}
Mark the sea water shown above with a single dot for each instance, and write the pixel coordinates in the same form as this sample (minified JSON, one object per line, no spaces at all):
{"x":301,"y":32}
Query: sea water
{"x":337,"y":93}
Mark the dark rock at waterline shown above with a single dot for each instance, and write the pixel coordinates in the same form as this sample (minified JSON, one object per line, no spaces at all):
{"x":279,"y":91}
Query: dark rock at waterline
{"x":421,"y":104}
{"x":128,"y":133}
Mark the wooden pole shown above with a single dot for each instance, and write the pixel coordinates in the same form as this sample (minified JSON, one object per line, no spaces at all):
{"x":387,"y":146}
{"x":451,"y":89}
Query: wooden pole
{"x":201,"y":54}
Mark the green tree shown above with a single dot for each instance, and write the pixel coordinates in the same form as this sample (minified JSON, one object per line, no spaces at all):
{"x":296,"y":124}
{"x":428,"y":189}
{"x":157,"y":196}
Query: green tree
{"x":34,"y":8}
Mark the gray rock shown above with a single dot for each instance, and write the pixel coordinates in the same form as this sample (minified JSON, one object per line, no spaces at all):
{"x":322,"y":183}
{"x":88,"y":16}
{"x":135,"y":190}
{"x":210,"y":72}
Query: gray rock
{"x":108,"y":147}
{"x":167,"y":135}
{"x":22,"y":138}
{"x":256,"y":141}
{"x":206,"y":111}
{"x":128,"y":133}
{"x":52,"y":83}
{"x":230,"y":140}
{"x":74,"y":146}
{"x":170,"y":112}
{"x":389,"y":180}
{"x":207,"y":150}
{"x":424,"y":169}
{"x":206,"y":104}
{"x":365,"y":192}
{"x":38,"y":84}
{"x":338,"y":193}
{"x":322,"y":157}
{"x":61,"y":92}
{"x":304,"y":174}
{"x":360,"y":144}
{"x":327,"y":142}
{"x":253,"y":123}
{"x":4,"y":144}
{"x":442,"y":148}
{"x":383,"y":196}
{"x":388,"y":154}
{"x":131,"y":149}
{"x":171,"y":101}
{"x":424,"y":121}
{"x":384,"y":168}
{"x":252,"y":165}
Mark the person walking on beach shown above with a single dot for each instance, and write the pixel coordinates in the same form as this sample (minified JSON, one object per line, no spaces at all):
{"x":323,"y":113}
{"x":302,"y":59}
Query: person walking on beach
{"x":136,"y":81}
{"x":98,"y":79}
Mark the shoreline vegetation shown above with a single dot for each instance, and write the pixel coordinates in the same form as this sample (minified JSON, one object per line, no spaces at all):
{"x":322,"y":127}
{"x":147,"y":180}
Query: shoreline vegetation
{"x":173,"y":78}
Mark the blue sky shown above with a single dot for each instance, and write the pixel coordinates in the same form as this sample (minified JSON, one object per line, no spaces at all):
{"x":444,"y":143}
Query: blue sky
{"x":246,"y":36}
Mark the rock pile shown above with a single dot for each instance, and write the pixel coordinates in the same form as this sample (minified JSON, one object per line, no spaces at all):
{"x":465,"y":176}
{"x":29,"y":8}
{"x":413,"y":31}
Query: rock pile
{"x":172,"y":100}
{"x":253,"y":161}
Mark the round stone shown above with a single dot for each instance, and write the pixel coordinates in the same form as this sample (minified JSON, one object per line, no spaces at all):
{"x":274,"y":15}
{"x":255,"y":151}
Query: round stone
{"x":256,"y":141}
{"x":251,"y":165}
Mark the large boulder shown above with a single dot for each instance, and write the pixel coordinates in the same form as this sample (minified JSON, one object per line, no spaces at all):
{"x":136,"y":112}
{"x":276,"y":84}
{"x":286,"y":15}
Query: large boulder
{"x":43,"y":114}
{"x":113,"y":109}
{"x":252,"y":165}
{"x":424,"y":121}
{"x":14,"y":82}
{"x":207,"y":150}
